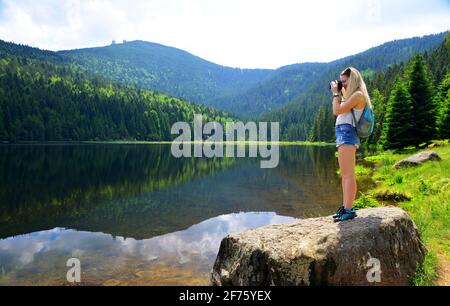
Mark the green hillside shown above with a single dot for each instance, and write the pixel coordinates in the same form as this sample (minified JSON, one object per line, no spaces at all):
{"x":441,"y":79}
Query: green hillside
{"x":242,"y":92}
{"x":41,"y":100}
{"x":167,"y":69}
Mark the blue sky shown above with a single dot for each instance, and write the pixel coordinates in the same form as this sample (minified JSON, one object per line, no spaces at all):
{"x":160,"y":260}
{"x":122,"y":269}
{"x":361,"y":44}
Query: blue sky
{"x":236,"y":33}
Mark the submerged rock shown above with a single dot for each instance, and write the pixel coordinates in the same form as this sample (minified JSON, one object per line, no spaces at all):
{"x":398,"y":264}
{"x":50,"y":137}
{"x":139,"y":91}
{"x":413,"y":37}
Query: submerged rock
{"x":417,"y":159}
{"x":381,"y":246}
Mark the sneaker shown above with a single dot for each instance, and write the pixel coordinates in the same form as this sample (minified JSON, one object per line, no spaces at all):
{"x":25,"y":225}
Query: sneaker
{"x":338,"y":212}
{"x":347,"y":214}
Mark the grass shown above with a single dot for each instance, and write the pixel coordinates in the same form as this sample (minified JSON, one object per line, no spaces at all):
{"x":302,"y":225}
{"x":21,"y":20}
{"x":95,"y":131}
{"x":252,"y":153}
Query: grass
{"x":365,"y":201}
{"x":424,"y":193}
{"x":427,"y":274}
{"x":359,"y":171}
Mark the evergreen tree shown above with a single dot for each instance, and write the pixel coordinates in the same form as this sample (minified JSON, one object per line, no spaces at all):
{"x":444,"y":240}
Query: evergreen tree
{"x":323,"y":126}
{"x":441,"y":101}
{"x":444,"y":124}
{"x":421,"y":91}
{"x":398,"y":123}
{"x":379,"y":109}
{"x":438,"y":60}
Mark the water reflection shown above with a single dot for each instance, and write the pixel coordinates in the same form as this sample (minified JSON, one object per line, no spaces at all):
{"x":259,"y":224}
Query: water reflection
{"x":47,"y":186}
{"x":135,"y":214}
{"x":39,"y":258}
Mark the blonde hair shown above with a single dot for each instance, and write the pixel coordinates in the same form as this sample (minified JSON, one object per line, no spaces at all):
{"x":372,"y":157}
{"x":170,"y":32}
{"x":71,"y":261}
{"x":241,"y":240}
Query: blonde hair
{"x":355,"y":83}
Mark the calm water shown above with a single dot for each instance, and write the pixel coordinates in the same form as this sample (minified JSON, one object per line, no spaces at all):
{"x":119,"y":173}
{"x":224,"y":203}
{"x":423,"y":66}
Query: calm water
{"x":133,"y":214}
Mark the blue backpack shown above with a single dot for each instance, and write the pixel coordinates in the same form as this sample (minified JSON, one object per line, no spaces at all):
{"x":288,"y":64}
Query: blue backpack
{"x":365,"y":125}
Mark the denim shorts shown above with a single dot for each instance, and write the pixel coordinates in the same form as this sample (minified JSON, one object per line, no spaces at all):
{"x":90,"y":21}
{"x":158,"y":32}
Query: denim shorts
{"x":346,"y":134}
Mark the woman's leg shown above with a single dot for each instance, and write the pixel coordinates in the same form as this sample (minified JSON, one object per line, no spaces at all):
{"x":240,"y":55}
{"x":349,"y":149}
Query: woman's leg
{"x":347,"y":167}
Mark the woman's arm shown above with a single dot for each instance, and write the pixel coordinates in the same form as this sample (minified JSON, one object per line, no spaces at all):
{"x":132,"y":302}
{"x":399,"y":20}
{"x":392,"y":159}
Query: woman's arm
{"x":340,"y":108}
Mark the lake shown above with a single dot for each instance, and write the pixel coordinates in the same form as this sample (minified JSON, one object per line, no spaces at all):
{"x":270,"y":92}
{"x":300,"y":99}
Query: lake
{"x":135,"y":215}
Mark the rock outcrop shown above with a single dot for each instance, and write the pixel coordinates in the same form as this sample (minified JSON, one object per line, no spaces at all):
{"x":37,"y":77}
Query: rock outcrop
{"x":380,"y":244}
{"x":417,"y":159}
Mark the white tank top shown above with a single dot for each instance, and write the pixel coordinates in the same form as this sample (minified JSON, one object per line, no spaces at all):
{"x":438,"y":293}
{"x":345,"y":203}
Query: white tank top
{"x":348,"y":117}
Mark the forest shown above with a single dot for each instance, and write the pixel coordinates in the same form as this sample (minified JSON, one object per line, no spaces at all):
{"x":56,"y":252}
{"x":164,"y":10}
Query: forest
{"x":46,"y":100}
{"x":69,"y":96}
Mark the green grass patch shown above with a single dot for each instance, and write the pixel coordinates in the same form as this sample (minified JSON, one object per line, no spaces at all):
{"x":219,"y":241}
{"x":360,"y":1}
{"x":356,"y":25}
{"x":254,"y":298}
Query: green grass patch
{"x":396,"y":179}
{"x":426,"y":274}
{"x":424,"y":193}
{"x":359,"y":171}
{"x":365,"y":201}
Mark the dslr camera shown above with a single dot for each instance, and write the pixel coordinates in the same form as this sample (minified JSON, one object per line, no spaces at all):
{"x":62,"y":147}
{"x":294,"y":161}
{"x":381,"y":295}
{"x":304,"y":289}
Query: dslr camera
{"x":339,"y":82}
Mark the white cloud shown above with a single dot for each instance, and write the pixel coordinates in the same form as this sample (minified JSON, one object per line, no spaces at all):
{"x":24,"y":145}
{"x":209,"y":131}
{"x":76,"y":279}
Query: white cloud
{"x":198,"y":243}
{"x":247,"y":34}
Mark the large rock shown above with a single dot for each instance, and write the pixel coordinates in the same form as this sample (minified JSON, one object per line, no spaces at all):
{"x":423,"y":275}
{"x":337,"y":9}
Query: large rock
{"x":417,"y":159}
{"x":318,"y":251}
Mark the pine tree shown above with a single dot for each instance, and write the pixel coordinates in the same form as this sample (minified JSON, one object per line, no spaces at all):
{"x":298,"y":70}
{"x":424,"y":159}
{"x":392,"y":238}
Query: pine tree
{"x":444,"y":124}
{"x":379,"y":109}
{"x":398,"y":123}
{"x":323,"y":126}
{"x":440,"y":100}
{"x":421,"y":91}
{"x":438,"y":61}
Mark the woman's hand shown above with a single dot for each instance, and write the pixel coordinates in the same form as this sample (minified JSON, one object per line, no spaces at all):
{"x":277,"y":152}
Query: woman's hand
{"x":334,"y":87}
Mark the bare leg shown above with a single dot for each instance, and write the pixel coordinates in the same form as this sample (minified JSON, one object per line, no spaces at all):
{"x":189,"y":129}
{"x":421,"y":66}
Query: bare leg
{"x":347,"y":167}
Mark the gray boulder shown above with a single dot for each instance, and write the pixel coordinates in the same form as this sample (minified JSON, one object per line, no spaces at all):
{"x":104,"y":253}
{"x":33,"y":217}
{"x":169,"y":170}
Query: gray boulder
{"x":417,"y":159}
{"x":381,"y":246}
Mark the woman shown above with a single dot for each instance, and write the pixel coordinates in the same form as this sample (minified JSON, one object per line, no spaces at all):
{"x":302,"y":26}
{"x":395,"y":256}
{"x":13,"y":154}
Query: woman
{"x":356,"y":97}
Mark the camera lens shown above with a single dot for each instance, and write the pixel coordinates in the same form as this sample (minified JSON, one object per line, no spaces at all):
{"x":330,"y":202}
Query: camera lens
{"x":339,"y":83}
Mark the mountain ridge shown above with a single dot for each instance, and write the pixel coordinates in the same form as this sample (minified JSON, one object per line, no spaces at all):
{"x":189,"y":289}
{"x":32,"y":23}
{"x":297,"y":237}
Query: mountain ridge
{"x":245,"y":93}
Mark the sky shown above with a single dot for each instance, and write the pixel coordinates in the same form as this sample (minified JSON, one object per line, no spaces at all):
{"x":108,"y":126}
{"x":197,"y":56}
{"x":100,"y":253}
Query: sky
{"x":235,"y":33}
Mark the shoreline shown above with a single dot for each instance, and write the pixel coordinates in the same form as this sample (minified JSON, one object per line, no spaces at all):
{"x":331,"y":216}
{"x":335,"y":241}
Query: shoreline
{"x":280,"y":143}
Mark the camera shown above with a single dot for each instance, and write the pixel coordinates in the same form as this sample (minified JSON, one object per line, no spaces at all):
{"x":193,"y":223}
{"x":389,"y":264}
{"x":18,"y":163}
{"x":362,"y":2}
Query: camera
{"x":339,"y":82}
